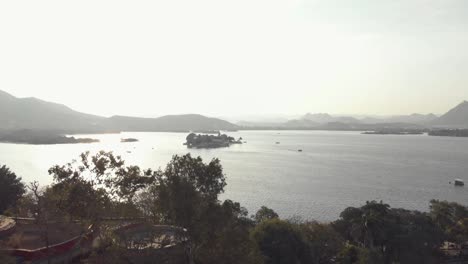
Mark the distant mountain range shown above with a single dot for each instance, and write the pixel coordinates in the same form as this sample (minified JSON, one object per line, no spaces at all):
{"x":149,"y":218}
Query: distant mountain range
{"x":327,"y":121}
{"x":419,"y":119}
{"x":324,"y":118}
{"x":455,"y":118}
{"x":35,"y":114}
{"x":38,"y":115}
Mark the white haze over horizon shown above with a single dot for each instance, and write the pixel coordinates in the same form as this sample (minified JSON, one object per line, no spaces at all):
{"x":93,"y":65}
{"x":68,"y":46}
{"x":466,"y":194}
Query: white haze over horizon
{"x":237,"y":58}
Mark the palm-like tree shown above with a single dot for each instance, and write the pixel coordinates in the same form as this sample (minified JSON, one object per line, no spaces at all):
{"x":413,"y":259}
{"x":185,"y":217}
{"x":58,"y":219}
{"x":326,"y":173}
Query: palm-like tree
{"x":369,"y":224}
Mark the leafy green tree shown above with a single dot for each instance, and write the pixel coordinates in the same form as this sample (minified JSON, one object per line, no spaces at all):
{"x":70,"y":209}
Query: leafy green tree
{"x":208,"y":179}
{"x":416,"y":238}
{"x":265,"y":213}
{"x":77,"y":200}
{"x":223,"y":235}
{"x":106,"y":171}
{"x":397,"y":235}
{"x":460,"y":231}
{"x":149,"y":205}
{"x":323,"y":242}
{"x":351,"y":254}
{"x":447,"y":216}
{"x":369,"y":226}
{"x":96,"y":186}
{"x":185,"y":188}
{"x":186,"y":194}
{"x":11,"y":188}
{"x":280,"y":242}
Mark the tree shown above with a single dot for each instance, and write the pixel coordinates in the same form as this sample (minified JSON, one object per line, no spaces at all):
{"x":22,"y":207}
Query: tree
{"x":78,"y":200}
{"x":26,"y":206}
{"x":396,"y":235}
{"x":280,"y":242}
{"x":460,"y":231}
{"x":191,"y":139}
{"x":447,"y":215}
{"x":369,"y":226}
{"x":351,"y":254}
{"x":416,"y":238}
{"x":149,"y":205}
{"x":323,"y":242}
{"x":208,"y":179}
{"x":223,"y":236}
{"x":37,"y":196}
{"x":186,"y":194}
{"x":265,"y":213}
{"x":185,"y":188}
{"x":90,"y":188}
{"x":104,"y":171}
{"x":11,"y":188}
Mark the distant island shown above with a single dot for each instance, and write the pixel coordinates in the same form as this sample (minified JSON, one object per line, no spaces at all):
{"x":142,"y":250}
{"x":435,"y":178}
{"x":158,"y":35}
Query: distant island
{"x":42,"y":138}
{"x":210,"y":141}
{"x":395,"y":132}
{"x":449,"y":132}
{"x":125,"y":140}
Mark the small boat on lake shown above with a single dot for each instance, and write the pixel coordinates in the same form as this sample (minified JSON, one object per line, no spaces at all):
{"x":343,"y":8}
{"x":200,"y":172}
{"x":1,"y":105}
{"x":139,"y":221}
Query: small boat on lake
{"x":459,"y":182}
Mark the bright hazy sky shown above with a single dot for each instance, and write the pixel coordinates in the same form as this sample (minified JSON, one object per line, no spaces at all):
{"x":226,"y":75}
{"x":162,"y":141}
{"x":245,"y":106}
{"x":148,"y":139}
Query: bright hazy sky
{"x":238,"y":57}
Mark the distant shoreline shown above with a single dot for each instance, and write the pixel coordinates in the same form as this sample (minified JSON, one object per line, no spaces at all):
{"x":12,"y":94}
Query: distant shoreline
{"x":52,"y":138}
{"x":55,"y":141}
{"x":33,"y":137}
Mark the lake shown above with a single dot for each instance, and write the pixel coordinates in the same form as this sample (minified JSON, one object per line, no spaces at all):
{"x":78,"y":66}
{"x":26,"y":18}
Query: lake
{"x":335,"y":169}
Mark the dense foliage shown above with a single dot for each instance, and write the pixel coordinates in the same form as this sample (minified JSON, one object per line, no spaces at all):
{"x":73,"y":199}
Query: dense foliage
{"x":210,"y":141}
{"x":186,"y":193}
{"x":264,"y":213}
{"x":394,"y":235}
{"x":11,"y":188}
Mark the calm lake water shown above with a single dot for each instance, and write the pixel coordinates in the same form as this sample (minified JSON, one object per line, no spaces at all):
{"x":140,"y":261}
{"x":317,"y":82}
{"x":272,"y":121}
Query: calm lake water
{"x":334,"y":171}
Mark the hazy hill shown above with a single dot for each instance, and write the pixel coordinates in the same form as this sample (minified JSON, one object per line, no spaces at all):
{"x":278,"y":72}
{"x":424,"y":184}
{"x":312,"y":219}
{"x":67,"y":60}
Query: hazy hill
{"x":169,"y":123}
{"x":35,"y":114}
{"x":456,"y":117}
{"x":324,"y":118}
{"x":318,"y":117}
{"x":321,"y":120}
{"x":419,"y":119}
{"x":259,"y":124}
{"x":301,"y":123}
{"x":328,"y":122}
